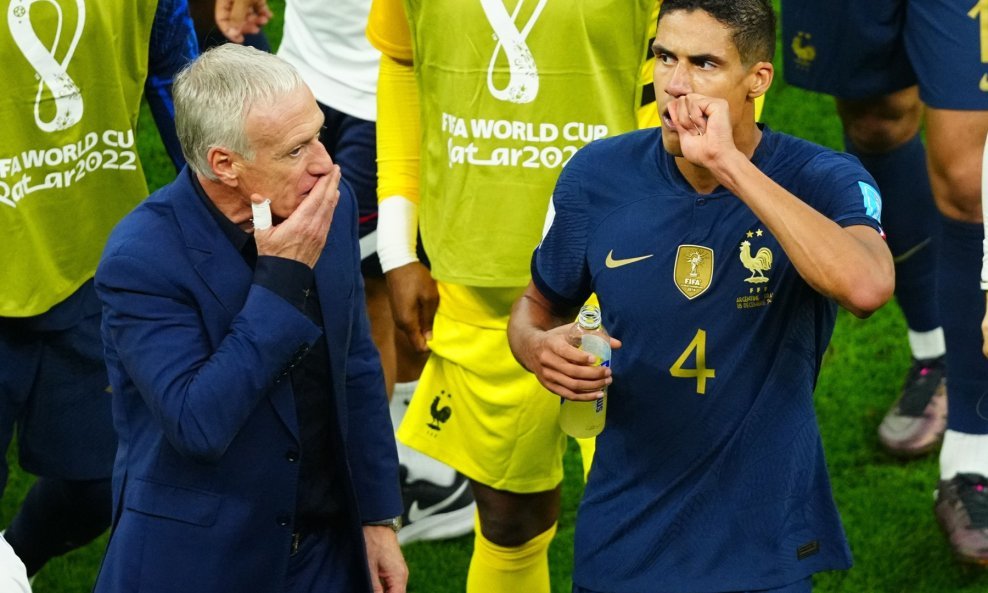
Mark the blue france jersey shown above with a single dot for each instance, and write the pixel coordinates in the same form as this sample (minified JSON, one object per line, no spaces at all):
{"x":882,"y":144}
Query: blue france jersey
{"x":709,"y":475}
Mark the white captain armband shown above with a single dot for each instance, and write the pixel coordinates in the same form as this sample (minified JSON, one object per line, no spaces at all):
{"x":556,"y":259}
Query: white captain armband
{"x":397,"y":232}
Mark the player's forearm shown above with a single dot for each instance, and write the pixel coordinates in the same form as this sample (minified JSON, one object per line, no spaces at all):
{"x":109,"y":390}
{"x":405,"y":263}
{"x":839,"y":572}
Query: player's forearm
{"x":398,"y":148}
{"x":531,"y":317}
{"x":851,"y":265}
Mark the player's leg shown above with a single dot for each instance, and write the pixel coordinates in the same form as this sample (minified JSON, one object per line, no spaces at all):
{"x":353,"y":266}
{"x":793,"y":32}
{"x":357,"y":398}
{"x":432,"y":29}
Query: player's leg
{"x":479,"y":411}
{"x":956,"y":139}
{"x":426,"y":482}
{"x":511,"y":544}
{"x":984,"y":259}
{"x":950,"y":54}
{"x":884,"y":133}
{"x":20,"y":349}
{"x":66,"y":436}
{"x":854,"y":50}
{"x":58,"y":516}
{"x":382,"y":327}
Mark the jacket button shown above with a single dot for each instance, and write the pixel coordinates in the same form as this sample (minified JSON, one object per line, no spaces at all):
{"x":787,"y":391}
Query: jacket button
{"x":284,"y":520}
{"x":292,"y":456}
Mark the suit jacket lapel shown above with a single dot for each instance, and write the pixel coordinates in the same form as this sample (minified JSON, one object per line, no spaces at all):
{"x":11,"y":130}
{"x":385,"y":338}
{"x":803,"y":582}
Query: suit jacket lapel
{"x":224,"y":272}
{"x":213,"y":256}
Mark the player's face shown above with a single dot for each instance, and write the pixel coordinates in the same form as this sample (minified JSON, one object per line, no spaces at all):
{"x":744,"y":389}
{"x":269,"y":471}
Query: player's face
{"x":694,"y":53}
{"x":288,"y":157}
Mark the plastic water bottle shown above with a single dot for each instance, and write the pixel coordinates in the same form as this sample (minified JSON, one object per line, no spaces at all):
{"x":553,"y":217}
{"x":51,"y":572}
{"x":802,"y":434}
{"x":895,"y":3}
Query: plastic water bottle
{"x":583,"y":419}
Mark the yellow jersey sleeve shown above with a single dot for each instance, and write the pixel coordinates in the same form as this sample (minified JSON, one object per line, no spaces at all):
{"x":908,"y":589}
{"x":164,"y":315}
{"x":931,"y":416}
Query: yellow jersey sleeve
{"x":387,"y":29}
{"x":399,"y":131}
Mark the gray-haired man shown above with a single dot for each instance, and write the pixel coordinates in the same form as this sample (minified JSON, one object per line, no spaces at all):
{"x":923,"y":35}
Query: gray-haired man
{"x":256,"y":451}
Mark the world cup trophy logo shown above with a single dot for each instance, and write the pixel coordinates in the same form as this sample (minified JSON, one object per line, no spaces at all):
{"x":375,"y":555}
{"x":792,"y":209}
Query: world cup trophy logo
{"x":55,"y":85}
{"x":523,"y":81}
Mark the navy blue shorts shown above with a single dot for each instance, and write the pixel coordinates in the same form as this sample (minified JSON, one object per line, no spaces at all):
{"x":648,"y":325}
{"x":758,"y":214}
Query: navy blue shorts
{"x":54,"y":390}
{"x":803,"y":586}
{"x":352,"y":142}
{"x":858,"y":49}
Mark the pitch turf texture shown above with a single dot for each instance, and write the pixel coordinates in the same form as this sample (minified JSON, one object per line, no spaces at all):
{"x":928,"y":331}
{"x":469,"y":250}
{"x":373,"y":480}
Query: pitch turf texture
{"x":886,"y":504}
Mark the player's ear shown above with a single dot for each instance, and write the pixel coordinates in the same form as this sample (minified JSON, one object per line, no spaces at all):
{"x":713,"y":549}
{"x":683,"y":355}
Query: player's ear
{"x":223,"y":162}
{"x":760,"y":77}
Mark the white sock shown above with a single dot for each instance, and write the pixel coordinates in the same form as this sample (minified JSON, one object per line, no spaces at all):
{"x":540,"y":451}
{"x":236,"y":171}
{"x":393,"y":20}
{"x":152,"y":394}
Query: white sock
{"x":399,"y":401}
{"x":963,"y":453}
{"x":420,"y":466}
{"x":927,"y":345}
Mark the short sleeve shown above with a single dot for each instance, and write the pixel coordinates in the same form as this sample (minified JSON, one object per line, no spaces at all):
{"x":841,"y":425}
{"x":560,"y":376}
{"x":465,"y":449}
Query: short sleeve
{"x":388,"y":29}
{"x":559,"y":264}
{"x":838,"y":186}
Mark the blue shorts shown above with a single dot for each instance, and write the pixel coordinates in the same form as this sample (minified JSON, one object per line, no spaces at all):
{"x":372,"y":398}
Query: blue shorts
{"x":54,"y":390}
{"x":858,"y":49}
{"x":352,"y":142}
{"x":803,"y":586}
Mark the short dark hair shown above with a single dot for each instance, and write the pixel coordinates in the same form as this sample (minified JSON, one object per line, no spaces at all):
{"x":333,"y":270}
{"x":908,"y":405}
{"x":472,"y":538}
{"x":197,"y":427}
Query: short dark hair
{"x":752,"y":23}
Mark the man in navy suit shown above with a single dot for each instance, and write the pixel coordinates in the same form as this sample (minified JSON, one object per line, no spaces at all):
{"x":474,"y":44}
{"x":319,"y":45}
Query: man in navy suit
{"x":256,"y":451}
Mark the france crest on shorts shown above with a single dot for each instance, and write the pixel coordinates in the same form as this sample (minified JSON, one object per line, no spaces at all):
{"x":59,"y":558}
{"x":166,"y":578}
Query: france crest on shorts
{"x":872,"y":201}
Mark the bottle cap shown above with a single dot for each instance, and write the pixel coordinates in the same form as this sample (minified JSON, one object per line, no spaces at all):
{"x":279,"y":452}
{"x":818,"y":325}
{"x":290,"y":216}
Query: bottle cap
{"x":589,"y":317}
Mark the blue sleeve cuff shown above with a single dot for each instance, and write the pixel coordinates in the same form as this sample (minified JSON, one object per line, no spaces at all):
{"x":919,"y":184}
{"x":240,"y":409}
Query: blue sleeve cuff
{"x":287,"y":278}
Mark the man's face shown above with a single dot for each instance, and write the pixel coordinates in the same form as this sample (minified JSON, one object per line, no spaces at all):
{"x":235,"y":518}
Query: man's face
{"x":288,"y":157}
{"x":694,"y":53}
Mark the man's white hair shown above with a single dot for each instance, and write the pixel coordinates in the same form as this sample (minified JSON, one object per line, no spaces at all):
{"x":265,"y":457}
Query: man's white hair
{"x":214,"y":94}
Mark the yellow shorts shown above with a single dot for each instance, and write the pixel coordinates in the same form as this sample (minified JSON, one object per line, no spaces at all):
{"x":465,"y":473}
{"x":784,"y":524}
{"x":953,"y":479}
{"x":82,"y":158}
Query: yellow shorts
{"x":475,"y":407}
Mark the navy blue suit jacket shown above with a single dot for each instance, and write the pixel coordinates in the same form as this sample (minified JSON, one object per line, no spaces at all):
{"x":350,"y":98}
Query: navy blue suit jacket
{"x":206,"y":471}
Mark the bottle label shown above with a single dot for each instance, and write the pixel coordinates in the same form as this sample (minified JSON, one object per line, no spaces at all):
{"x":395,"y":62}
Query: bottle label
{"x":597,"y":346}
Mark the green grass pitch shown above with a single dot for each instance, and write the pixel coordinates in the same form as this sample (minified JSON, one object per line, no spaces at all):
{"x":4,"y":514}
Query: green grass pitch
{"x":886,"y":504}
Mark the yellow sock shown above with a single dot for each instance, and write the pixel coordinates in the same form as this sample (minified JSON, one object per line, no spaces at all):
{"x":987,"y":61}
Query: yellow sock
{"x":497,"y":569}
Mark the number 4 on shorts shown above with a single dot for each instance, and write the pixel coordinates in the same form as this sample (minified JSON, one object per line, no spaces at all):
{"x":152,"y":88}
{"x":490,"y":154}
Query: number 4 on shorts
{"x":701,"y":373}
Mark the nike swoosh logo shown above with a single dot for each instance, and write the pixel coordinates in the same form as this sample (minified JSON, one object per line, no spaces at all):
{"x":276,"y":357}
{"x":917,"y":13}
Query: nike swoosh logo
{"x":610,"y":262}
{"x":416,"y":514}
{"x":983,"y":85}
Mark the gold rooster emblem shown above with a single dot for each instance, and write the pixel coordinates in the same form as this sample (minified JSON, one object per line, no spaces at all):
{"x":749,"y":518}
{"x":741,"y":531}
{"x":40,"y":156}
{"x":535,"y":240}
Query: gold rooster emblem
{"x":804,"y":52}
{"x":756,"y":265}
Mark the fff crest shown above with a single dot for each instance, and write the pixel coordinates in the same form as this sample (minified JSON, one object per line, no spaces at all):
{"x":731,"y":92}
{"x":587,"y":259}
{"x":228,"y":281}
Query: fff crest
{"x":693,"y":270}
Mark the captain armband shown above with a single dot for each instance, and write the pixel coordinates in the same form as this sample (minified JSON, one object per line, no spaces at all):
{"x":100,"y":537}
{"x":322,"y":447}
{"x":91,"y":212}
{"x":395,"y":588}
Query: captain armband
{"x":397,"y":232}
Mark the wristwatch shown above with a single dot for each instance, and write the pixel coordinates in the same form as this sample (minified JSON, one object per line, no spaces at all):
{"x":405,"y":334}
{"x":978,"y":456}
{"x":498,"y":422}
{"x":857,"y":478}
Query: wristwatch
{"x":394,"y":523}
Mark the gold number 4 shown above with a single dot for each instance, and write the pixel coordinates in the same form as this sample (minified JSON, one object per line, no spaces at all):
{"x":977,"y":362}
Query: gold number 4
{"x":701,"y":373}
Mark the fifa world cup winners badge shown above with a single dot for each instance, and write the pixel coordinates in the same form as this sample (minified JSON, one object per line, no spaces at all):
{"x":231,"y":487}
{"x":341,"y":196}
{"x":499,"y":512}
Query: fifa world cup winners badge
{"x":694,"y":270}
